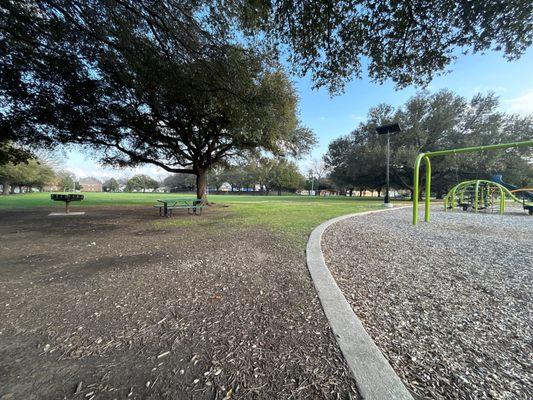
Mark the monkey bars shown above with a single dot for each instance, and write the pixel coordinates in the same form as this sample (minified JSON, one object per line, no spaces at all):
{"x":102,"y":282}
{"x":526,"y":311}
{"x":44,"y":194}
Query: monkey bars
{"x":427,"y":156}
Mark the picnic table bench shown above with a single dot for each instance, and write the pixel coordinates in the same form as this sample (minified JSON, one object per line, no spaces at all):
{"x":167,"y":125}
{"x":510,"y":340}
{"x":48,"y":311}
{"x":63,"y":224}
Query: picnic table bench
{"x":192,"y":205}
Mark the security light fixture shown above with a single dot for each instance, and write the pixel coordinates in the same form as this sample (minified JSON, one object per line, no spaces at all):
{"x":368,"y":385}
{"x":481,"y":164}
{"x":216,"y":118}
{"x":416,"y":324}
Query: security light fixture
{"x":391,"y":128}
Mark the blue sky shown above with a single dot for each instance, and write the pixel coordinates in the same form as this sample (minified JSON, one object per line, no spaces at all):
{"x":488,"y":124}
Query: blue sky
{"x":331,"y":117}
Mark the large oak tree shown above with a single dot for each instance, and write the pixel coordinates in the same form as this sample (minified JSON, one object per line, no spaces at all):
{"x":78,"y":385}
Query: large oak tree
{"x":142,"y":82}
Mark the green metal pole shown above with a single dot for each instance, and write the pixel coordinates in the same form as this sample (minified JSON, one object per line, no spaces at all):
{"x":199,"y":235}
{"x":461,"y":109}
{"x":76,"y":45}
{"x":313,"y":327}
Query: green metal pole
{"x":454,"y":197}
{"x":428,"y":188}
{"x":476,"y":192}
{"x":502,"y":200}
{"x":526,"y":143}
{"x":416,"y":179}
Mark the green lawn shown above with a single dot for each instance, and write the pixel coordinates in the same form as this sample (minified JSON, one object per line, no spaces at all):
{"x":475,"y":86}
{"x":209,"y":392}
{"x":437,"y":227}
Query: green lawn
{"x":292,"y":216}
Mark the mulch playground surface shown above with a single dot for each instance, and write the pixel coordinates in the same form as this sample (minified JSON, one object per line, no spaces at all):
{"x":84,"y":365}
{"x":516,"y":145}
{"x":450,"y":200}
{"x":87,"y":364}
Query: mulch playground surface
{"x":111,"y":305}
{"x":449,"y":302}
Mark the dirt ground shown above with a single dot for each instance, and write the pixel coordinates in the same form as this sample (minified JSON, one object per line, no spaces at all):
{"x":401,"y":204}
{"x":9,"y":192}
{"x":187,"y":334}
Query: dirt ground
{"x":107,"y":305}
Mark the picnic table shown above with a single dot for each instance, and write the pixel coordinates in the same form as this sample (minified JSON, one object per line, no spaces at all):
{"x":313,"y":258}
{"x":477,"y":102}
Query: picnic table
{"x":193,"y":205}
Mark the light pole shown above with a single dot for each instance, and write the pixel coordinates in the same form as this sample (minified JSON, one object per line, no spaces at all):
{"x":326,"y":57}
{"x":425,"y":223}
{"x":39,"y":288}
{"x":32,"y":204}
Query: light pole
{"x":382,"y":130}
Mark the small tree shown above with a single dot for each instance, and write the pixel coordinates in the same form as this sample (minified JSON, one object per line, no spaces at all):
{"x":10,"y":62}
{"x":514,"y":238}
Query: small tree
{"x":65,"y":181}
{"x":319,"y":171}
{"x":285,"y":175}
{"x":44,"y":176}
{"x":179,"y":182}
{"x":111,"y":185}
{"x":141,"y":183}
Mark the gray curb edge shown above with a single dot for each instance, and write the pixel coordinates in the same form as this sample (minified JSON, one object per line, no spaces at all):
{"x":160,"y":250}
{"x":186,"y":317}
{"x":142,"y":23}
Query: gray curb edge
{"x":374,"y":377}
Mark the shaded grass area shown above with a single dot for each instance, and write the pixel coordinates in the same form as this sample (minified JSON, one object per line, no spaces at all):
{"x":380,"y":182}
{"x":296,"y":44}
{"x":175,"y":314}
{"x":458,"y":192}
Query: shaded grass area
{"x":292,"y":216}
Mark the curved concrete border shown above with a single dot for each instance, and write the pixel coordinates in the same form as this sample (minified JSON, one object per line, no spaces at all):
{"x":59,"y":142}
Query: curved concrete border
{"x":374,"y":377}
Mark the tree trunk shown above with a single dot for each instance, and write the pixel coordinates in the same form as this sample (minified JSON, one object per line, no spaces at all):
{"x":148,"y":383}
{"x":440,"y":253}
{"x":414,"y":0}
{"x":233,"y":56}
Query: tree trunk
{"x":5,"y":189}
{"x":201,"y":184}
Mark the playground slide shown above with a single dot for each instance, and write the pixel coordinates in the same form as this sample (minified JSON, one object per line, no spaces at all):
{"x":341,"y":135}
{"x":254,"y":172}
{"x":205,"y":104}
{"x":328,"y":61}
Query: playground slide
{"x":526,"y":194}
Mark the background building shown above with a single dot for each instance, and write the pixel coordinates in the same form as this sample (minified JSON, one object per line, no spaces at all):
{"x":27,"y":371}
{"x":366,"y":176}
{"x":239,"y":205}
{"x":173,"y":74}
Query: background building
{"x":90,"y":185}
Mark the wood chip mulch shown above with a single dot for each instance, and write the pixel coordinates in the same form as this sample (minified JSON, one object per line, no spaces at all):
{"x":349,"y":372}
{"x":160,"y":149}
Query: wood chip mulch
{"x":449,"y":303}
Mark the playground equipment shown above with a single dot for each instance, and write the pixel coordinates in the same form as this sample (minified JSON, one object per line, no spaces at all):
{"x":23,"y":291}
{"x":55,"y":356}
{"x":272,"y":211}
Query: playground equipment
{"x":526,"y":193}
{"x":426,"y":157}
{"x":481,"y":195}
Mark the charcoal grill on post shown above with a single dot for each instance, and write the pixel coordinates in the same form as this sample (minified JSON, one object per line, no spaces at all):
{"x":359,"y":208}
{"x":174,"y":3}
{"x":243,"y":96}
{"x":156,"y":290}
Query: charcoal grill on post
{"x":67,"y":198}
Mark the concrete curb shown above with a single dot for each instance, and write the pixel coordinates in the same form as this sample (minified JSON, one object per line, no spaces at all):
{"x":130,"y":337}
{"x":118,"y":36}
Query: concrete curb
{"x":374,"y":377}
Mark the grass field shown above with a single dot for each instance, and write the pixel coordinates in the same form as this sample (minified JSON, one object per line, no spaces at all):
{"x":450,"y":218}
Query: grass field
{"x":293,"y":216}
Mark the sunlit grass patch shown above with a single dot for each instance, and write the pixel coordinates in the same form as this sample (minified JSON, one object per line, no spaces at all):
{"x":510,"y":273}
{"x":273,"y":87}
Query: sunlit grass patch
{"x":290,"y":216}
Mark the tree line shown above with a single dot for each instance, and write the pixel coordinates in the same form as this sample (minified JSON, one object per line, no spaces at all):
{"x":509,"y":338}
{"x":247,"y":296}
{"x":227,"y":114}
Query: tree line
{"x":430,"y":122}
{"x":260,"y":174}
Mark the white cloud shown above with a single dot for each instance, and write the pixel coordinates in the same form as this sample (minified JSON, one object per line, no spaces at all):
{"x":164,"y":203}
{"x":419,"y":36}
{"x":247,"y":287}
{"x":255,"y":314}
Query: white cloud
{"x":521,"y":104}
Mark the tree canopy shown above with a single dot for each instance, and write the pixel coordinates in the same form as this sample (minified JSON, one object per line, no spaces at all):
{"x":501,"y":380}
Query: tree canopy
{"x":143,"y":82}
{"x":432,"y":122}
{"x":111,"y":185}
{"x":405,"y":41}
{"x":177,"y":182}
{"x":30,"y":174}
{"x":141,"y":183}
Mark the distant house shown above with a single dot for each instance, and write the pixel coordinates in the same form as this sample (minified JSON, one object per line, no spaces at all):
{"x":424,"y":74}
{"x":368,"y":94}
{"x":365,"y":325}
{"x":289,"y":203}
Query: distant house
{"x":90,"y":185}
{"x":51,"y":188}
{"x":225,"y":187}
{"x":328,"y":192}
